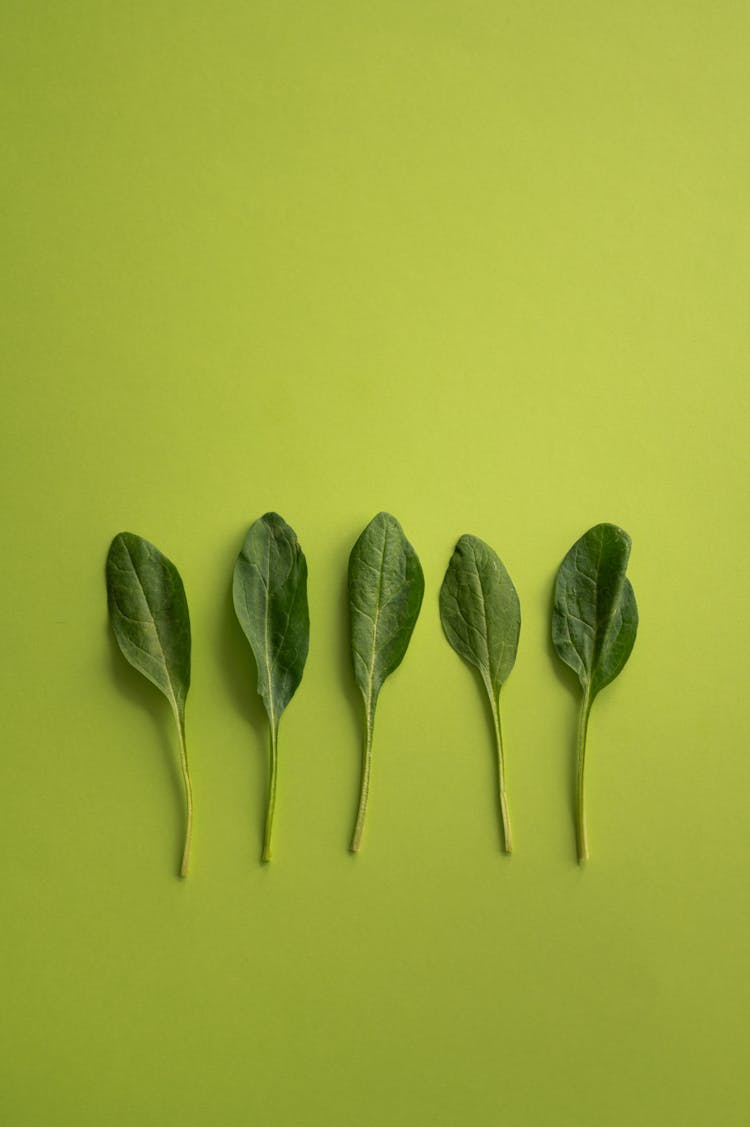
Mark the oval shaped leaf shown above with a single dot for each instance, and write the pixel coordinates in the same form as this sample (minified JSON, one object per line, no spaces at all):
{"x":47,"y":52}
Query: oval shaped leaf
{"x":270,"y":601}
{"x":594,"y":624}
{"x":594,"y":618}
{"x":481,"y":617}
{"x":386,"y":587}
{"x":149,"y":615}
{"x":480,"y":611}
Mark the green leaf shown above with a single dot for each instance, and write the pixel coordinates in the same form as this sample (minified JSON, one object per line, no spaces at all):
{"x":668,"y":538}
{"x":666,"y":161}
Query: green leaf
{"x":386,"y":586}
{"x":594,"y":623}
{"x":481,"y":617}
{"x":149,"y":615}
{"x":270,"y":601}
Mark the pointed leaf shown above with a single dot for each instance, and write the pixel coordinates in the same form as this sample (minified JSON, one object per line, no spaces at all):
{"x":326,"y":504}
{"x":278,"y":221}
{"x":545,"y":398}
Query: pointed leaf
{"x":270,"y":601}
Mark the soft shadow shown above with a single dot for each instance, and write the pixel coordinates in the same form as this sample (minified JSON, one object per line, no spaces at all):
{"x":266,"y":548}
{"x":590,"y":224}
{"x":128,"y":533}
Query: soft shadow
{"x":140,"y":692}
{"x":567,"y":678}
{"x":241,"y":678}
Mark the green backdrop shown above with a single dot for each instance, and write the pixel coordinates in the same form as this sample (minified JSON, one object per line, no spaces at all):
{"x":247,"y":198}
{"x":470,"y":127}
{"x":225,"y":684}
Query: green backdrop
{"x":483,"y":265}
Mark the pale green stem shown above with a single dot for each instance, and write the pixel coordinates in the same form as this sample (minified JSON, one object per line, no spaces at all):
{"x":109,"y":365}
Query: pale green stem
{"x":188,"y":797}
{"x":365,"y":784}
{"x":504,"y":813}
{"x":583,"y":723}
{"x":273,"y":765}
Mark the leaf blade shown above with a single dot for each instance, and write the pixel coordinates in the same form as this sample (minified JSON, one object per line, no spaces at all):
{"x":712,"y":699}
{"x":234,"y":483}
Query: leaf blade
{"x":588,"y":629}
{"x":269,"y":591}
{"x":386,"y":587}
{"x":149,"y":614}
{"x":480,"y":611}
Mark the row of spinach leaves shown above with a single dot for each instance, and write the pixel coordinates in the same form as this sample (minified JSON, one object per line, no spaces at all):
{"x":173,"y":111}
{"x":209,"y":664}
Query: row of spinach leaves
{"x":594,"y":624}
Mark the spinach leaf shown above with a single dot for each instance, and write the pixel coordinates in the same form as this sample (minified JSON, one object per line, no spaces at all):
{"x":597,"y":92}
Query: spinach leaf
{"x":594,"y":623}
{"x":386,"y":586}
{"x":149,"y":615}
{"x":270,"y":601}
{"x":481,"y":617}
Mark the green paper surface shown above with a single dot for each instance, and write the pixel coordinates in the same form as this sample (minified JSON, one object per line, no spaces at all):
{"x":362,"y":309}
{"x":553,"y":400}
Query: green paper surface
{"x":481,"y":265}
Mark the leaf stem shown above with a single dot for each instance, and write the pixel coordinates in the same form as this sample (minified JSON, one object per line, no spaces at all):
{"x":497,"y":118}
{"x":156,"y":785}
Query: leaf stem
{"x":365,"y":784}
{"x":273,"y":771}
{"x":504,"y":813}
{"x":188,"y":796}
{"x":583,"y":723}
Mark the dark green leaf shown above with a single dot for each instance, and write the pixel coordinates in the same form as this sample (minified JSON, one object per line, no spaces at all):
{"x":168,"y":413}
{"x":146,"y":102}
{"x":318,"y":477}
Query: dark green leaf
{"x":149,"y":615}
{"x":386,"y":586}
{"x":480,"y":612}
{"x":481,"y":617}
{"x":594,"y":624}
{"x":594,"y":617}
{"x":270,"y":601}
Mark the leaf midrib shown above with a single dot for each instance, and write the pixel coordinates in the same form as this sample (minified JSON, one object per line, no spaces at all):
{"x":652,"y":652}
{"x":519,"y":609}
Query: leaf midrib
{"x":266,"y":628}
{"x":375,"y":621}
